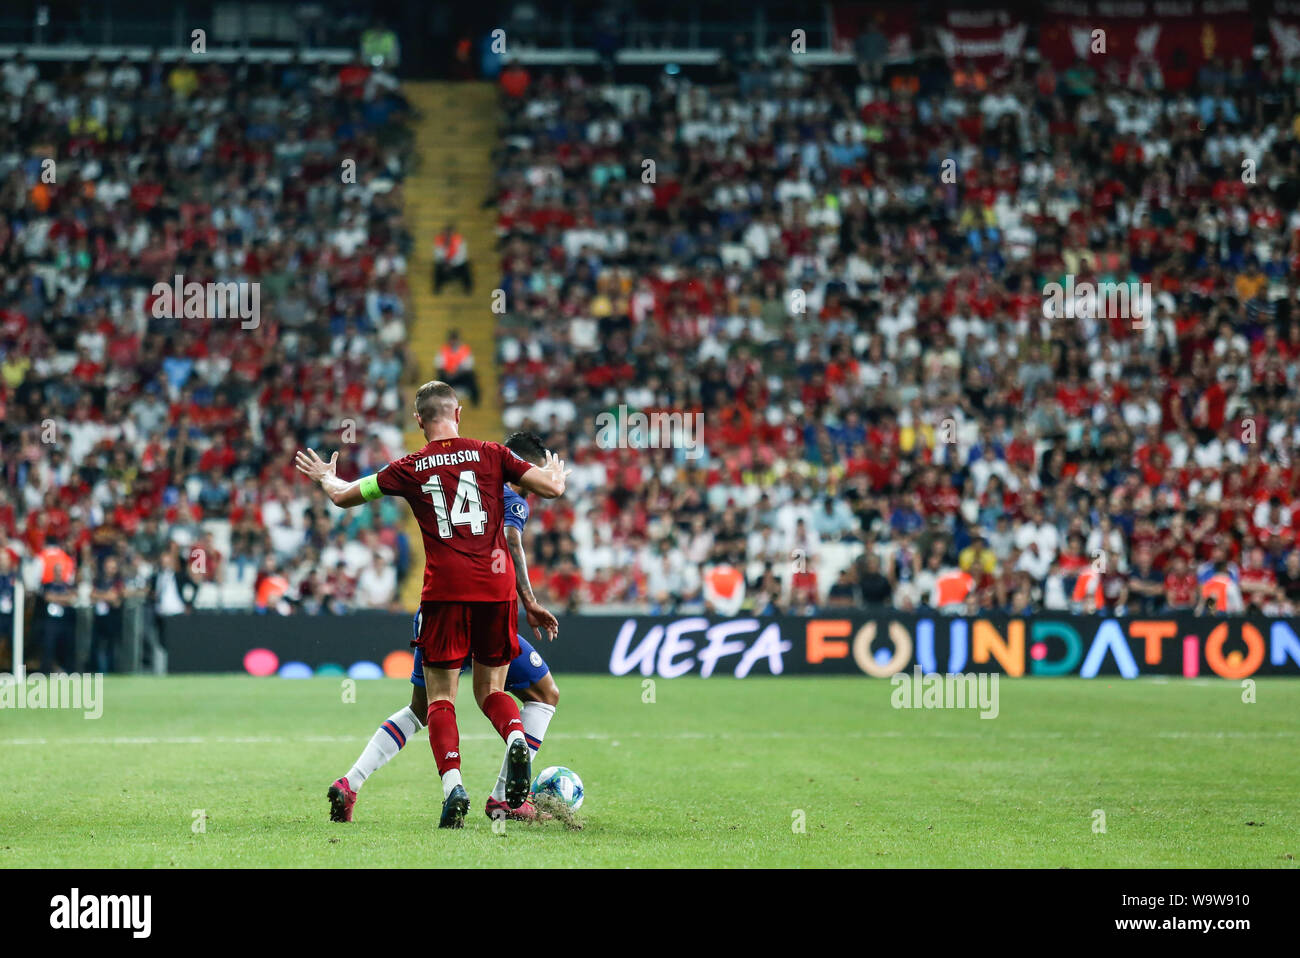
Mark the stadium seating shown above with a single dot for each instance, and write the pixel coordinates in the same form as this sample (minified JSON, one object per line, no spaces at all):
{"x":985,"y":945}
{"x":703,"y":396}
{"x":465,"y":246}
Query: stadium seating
{"x":128,"y":432}
{"x":845,"y":280}
{"x":783,"y":253}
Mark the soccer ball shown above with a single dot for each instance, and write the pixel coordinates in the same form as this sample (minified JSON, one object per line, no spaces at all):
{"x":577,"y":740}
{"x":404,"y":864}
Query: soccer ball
{"x":561,"y":782}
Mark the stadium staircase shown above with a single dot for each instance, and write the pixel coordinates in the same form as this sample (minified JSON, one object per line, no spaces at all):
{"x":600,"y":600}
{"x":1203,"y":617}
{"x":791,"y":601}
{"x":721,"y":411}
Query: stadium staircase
{"x":455,"y":133}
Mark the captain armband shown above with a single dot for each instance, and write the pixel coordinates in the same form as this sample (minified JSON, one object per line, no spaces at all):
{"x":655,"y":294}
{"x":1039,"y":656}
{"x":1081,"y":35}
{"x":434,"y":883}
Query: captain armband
{"x":370,"y":488}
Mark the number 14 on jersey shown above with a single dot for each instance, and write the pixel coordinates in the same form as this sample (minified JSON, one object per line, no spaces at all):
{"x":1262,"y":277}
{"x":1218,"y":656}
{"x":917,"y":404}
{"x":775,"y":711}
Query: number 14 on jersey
{"x":466,"y":509}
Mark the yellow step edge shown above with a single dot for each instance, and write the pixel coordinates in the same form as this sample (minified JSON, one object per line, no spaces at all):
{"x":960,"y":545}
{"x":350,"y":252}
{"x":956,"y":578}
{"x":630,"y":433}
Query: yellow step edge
{"x":451,"y":183}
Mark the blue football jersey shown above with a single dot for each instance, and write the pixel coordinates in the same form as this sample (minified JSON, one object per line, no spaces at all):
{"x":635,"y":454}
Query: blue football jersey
{"x":517,"y":510}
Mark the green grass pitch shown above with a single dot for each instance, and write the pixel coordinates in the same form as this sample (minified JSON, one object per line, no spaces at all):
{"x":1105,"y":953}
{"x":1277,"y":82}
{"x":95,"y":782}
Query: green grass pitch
{"x":713,"y":772}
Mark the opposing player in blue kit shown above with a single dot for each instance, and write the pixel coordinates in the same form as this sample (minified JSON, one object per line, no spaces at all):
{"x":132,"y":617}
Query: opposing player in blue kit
{"x":529,"y":678}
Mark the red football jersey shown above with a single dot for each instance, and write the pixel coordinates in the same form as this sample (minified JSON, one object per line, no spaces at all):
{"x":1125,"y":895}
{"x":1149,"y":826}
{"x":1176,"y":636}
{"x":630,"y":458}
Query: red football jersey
{"x":455,"y":488}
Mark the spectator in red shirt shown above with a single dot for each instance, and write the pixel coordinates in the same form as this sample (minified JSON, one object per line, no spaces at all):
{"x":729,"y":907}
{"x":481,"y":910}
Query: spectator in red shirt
{"x":1258,"y":582}
{"x":1181,"y":587}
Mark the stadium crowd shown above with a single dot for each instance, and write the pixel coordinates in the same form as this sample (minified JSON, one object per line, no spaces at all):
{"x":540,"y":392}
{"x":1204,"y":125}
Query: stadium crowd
{"x":846,"y":279}
{"x":842,"y":276}
{"x":148,"y":449}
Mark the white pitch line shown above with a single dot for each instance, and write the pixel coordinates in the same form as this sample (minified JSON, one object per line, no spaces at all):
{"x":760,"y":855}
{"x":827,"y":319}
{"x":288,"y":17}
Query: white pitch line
{"x":465,"y":737}
{"x":918,"y":732}
{"x":210,"y":739}
{"x":284,"y":739}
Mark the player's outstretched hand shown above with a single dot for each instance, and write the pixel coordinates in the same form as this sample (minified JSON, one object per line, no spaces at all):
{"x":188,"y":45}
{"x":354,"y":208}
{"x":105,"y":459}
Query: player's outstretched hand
{"x":542,"y":621}
{"x":313,"y":466}
{"x":555,"y":466}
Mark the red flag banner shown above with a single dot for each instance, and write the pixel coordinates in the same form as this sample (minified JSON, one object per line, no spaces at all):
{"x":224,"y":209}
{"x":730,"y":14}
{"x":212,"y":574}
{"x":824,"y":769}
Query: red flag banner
{"x":989,"y":38}
{"x":1178,"y":35}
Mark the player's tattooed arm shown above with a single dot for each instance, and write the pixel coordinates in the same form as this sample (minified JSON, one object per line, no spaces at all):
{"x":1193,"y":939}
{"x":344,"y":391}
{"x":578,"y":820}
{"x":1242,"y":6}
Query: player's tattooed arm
{"x":542,"y":621}
{"x":344,"y":494}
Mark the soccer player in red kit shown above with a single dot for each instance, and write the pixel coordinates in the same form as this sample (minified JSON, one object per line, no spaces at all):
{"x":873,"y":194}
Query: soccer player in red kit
{"x":455,"y":488}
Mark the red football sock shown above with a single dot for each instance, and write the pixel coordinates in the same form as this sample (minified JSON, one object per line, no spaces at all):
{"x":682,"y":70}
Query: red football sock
{"x":503,"y":713}
{"x":444,"y":737}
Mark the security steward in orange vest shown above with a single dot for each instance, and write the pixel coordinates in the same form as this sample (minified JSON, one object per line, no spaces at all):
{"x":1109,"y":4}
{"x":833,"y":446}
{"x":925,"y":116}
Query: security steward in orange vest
{"x":455,"y":366}
{"x":451,"y":260}
{"x":58,"y":605}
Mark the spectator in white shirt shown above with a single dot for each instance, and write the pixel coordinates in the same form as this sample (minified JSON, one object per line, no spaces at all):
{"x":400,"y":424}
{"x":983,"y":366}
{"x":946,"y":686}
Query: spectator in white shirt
{"x":18,"y":76}
{"x":377,"y":584}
